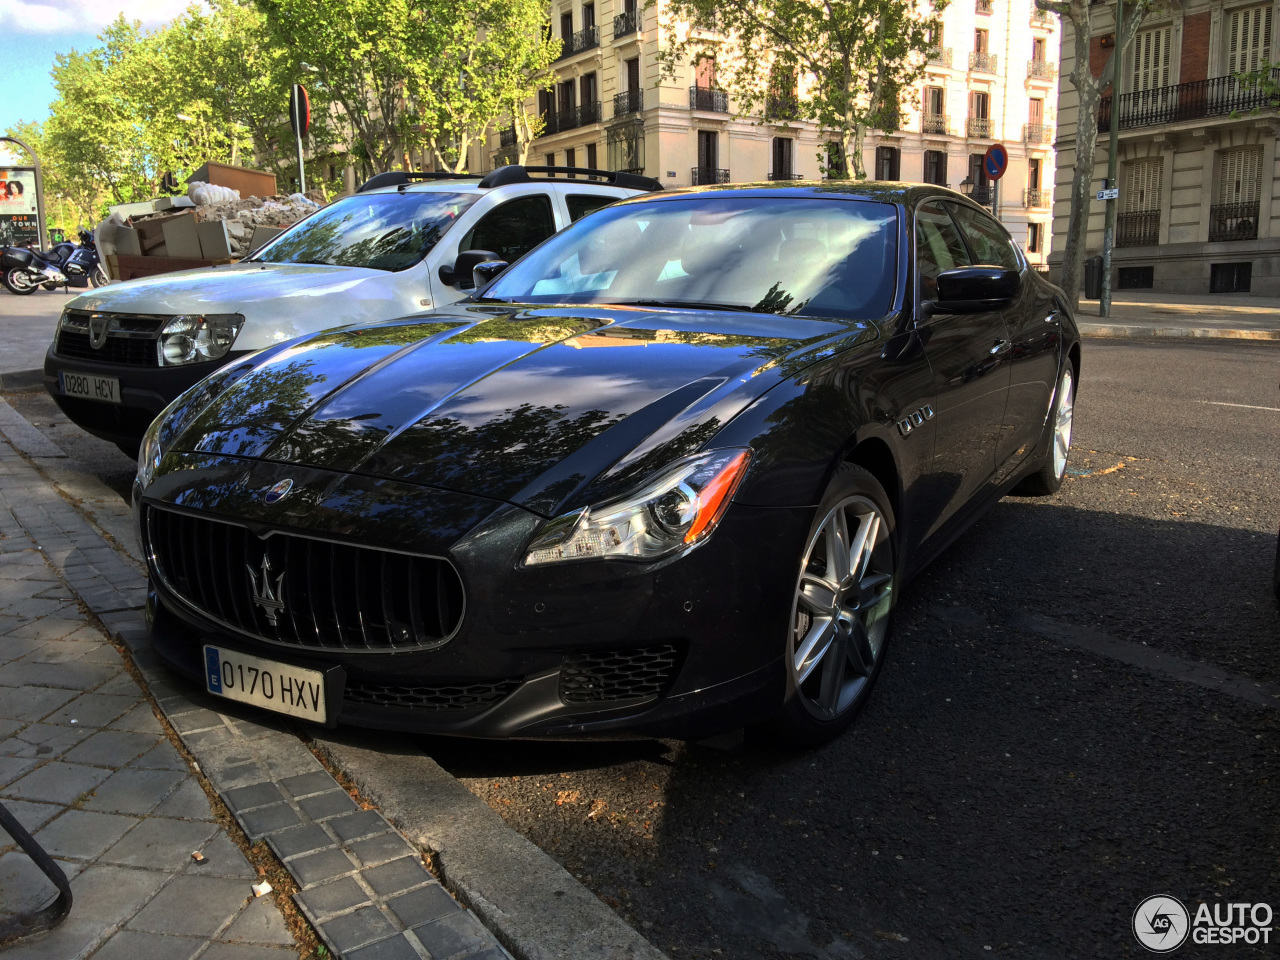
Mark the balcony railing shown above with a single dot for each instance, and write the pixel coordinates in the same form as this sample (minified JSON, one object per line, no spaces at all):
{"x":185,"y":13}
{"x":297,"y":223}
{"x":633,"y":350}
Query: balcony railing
{"x":1041,"y":69}
{"x":1033,"y":197}
{"x":703,"y":175}
{"x":983,"y":195}
{"x":507,"y":137}
{"x":708,"y":99}
{"x":941,"y":56}
{"x":629,"y":101}
{"x":582,"y":40}
{"x":626,"y":23}
{"x":982,"y":62}
{"x":935,"y":123}
{"x":560,"y":120}
{"x":1140,"y":229}
{"x":1219,"y":97}
{"x":1233,"y":221}
{"x":782,"y":176}
{"x":1041,"y":18}
{"x":979,"y":127}
{"x":781,"y":106}
{"x":1037,"y":133}
{"x":984,"y":7}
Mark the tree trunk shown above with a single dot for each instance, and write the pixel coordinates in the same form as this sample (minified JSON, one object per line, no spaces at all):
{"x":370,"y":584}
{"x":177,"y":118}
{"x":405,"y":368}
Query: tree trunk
{"x":1081,"y":197}
{"x":859,"y":137}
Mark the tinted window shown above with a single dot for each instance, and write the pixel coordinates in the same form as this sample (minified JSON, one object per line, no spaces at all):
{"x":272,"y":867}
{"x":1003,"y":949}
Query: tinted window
{"x":581,"y":204}
{"x":811,"y":257}
{"x":385,"y":231}
{"x":514,"y":228}
{"x":938,"y":247}
{"x":988,"y":241}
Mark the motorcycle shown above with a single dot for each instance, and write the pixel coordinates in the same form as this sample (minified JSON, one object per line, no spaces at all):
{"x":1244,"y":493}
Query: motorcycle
{"x":23,"y":269}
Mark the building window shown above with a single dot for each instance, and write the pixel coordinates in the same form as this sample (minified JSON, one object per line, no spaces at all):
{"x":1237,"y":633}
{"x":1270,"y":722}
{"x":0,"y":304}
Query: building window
{"x":1235,"y":214}
{"x":1230,"y":277}
{"x":588,"y":16}
{"x":1033,"y":173}
{"x":566,"y":30}
{"x":551,"y":159}
{"x":782,"y":152}
{"x":591,"y":156}
{"x":1248,"y":38}
{"x":1142,"y":183}
{"x":1135,"y":278}
{"x":935,"y":167}
{"x":837,"y":169}
{"x":1039,"y":50}
{"x":1034,"y":231}
{"x":624,"y":146}
{"x":1151,"y":54}
{"x":887,"y":163}
{"x":981,"y":42}
{"x":571,"y":158}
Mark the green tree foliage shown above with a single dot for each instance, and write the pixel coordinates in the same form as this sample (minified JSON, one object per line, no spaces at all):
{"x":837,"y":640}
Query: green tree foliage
{"x":852,"y":57}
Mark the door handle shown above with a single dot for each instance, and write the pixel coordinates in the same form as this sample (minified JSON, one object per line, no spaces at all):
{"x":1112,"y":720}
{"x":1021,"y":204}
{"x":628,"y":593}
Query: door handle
{"x":1002,"y":346}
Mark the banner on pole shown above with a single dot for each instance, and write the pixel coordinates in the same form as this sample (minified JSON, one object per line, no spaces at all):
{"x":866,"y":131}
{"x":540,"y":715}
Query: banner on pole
{"x":18,"y":220}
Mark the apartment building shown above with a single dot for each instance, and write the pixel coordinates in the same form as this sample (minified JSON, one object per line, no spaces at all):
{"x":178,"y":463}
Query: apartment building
{"x":992,"y":78}
{"x":1197,"y":151}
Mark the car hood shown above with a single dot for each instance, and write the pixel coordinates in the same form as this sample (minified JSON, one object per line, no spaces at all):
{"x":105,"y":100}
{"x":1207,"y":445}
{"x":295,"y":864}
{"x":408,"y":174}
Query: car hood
{"x":547,"y":408}
{"x":226,"y":289}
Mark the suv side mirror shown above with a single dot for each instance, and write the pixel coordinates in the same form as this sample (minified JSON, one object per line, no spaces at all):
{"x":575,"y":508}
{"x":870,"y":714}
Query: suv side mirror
{"x":460,"y":274}
{"x":482,"y":273}
{"x":975,"y":289}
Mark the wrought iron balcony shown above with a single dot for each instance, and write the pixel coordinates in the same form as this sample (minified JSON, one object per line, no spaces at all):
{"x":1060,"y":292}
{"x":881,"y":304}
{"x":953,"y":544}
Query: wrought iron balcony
{"x":982,"y":62}
{"x":582,"y":40}
{"x":941,"y":56}
{"x":629,"y":101}
{"x":1041,"y":69}
{"x":626,"y":23}
{"x":935,"y":123}
{"x":781,"y":176}
{"x":1233,"y":221}
{"x":560,"y":120}
{"x":980,"y":127}
{"x":703,"y":175}
{"x":708,"y":99}
{"x":781,"y":106}
{"x":507,"y":137}
{"x":1219,"y":97}
{"x":984,"y":7}
{"x":1141,"y":229}
{"x":983,"y":195}
{"x":1037,"y":133}
{"x":1034,"y":197}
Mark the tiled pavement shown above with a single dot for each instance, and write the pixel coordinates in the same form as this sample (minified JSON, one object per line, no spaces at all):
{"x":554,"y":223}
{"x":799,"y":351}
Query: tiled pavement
{"x":86,"y":767}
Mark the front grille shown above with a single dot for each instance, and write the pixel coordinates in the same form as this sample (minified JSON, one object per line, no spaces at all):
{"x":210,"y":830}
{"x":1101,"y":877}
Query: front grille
{"x":135,"y":353}
{"x":304,"y":592}
{"x":460,"y":696}
{"x":637,"y":674}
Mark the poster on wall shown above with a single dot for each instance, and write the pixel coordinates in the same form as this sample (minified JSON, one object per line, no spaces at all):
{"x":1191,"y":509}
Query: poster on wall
{"x":18,"y":222}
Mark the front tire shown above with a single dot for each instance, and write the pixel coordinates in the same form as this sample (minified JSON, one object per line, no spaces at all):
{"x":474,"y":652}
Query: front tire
{"x":1047,"y":478}
{"x":99,"y":276}
{"x":19,"y":281}
{"x":841,"y":609}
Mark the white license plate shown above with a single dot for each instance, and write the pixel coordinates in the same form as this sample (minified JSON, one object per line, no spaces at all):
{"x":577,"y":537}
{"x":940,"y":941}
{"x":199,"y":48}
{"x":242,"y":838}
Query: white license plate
{"x":106,"y":389}
{"x":269,"y":684}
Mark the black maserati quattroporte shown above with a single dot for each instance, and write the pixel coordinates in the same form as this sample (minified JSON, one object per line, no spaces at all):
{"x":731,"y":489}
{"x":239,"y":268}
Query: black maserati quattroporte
{"x":666,"y":475}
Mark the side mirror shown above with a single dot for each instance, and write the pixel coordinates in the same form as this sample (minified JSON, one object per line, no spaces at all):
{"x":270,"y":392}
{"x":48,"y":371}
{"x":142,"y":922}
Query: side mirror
{"x":482,"y":273}
{"x":975,"y":289}
{"x":460,"y":274}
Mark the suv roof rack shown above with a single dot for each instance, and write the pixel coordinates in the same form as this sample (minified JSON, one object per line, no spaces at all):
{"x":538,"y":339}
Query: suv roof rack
{"x":515,"y":173}
{"x":401,"y":178}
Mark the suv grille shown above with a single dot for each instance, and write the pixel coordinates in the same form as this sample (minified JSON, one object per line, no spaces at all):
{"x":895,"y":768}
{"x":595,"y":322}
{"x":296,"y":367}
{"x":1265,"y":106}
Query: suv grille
{"x":636,"y":674}
{"x":131,"y":339}
{"x":303,"y":592}
{"x":461,"y":696}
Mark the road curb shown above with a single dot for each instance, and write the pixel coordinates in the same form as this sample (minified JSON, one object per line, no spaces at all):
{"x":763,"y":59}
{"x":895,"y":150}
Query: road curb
{"x":535,"y":906}
{"x":21,"y":380}
{"x":1142,"y":331}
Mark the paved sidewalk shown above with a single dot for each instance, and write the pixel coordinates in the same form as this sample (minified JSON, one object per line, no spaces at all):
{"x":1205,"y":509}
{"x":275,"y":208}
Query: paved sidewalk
{"x":28,"y":325}
{"x":1146,"y":314}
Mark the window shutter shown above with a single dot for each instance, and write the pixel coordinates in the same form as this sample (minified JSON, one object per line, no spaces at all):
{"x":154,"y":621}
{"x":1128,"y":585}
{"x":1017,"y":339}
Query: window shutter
{"x":1151,"y":55}
{"x":1240,"y":176}
{"x":1248,"y":39}
{"x":1142,"y":186}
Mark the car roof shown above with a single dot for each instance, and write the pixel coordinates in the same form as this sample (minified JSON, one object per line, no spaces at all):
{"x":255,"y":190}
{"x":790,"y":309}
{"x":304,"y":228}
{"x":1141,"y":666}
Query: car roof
{"x":879,"y":191}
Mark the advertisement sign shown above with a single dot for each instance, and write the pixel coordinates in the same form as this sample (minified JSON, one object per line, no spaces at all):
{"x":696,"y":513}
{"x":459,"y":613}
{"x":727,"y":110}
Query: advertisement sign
{"x":18,"y":222}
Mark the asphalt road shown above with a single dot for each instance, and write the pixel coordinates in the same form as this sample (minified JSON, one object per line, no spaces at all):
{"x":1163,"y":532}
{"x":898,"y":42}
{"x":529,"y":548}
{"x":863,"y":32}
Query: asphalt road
{"x":1029,"y":768}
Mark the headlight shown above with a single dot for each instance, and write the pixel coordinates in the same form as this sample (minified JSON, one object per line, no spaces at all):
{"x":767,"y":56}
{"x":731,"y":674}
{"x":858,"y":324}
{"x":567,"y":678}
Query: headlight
{"x":679,"y":507}
{"x":195,"y":338}
{"x":150,"y":452}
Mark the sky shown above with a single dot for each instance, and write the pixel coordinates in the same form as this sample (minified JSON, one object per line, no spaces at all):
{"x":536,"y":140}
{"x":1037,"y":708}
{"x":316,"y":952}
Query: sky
{"x":31,"y":33}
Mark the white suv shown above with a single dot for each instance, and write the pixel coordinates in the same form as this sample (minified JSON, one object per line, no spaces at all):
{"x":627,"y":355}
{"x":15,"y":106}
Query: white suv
{"x":404,"y":243}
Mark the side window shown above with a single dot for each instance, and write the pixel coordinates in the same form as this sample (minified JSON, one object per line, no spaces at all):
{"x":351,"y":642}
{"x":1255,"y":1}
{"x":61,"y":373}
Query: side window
{"x":514,"y":228}
{"x":990,"y":244}
{"x":580,"y":204}
{"x":938,"y":247}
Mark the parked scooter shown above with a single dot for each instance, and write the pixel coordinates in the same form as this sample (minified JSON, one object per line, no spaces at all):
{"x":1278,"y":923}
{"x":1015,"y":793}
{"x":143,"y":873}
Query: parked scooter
{"x":23,"y":269}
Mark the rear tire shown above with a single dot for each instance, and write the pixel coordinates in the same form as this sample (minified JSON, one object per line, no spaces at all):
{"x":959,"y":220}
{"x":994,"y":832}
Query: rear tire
{"x":1047,"y":478}
{"x":19,"y":282}
{"x":841,"y":610}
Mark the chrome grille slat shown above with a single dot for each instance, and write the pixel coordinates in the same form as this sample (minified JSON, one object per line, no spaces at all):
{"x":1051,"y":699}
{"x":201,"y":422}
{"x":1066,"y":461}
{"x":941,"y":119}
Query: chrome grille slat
{"x":207,"y":564}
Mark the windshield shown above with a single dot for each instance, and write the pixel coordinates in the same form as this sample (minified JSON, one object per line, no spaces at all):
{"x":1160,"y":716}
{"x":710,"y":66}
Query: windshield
{"x":384,"y":231}
{"x":789,"y":255}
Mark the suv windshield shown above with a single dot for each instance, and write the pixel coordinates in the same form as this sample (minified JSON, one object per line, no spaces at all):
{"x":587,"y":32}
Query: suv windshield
{"x":790,"y":255}
{"x":384,"y":231}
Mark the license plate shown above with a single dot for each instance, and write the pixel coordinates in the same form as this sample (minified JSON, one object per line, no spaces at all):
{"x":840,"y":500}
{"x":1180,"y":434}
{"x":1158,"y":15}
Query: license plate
{"x":268,"y":684}
{"x":106,"y":389}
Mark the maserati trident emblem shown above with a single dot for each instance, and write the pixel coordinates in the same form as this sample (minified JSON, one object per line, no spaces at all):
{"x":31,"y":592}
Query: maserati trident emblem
{"x":99,"y":324}
{"x":279,"y":491}
{"x":269,"y":598}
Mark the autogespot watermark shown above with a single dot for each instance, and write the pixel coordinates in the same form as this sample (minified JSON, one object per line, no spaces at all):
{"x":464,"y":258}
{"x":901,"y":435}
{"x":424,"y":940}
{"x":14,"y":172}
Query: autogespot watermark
{"x":1162,"y":924}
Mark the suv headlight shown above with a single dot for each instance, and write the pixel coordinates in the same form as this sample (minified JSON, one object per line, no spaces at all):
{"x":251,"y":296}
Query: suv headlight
{"x":678,"y":508}
{"x":196,"y":338}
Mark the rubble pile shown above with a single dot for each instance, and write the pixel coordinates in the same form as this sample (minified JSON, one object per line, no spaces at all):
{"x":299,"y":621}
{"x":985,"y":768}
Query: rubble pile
{"x":244,"y":217}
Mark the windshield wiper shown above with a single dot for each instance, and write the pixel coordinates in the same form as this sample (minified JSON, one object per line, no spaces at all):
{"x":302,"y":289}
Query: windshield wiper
{"x":684,"y":305}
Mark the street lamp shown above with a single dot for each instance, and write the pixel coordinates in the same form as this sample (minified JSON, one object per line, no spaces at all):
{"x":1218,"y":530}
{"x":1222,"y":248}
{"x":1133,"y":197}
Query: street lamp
{"x":966,"y":186}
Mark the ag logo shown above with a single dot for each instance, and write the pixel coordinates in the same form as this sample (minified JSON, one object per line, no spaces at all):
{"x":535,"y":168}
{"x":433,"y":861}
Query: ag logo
{"x":1161,"y":924}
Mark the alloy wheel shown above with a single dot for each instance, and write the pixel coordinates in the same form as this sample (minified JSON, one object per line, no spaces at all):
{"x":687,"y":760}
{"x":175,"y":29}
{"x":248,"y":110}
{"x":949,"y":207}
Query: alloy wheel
{"x":840,"y":615}
{"x":1062,"y":423}
{"x":20,"y":281}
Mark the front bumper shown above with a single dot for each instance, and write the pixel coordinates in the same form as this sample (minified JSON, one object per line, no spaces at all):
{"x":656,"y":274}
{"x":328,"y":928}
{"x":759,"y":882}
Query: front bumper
{"x":144,"y":392}
{"x":714,"y":619}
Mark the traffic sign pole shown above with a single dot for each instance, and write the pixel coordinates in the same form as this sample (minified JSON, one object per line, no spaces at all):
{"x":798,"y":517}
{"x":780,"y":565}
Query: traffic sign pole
{"x":995,"y":164}
{"x":300,"y":120}
{"x":1109,"y":230}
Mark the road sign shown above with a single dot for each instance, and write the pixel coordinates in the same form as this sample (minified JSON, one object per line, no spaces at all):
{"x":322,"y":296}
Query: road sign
{"x":299,"y":110}
{"x":996,"y":162}
{"x":1109,"y":193}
